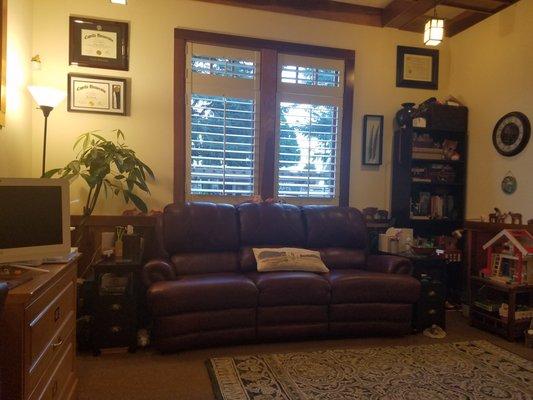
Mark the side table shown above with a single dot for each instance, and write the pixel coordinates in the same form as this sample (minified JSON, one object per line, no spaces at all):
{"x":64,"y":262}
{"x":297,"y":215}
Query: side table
{"x":116,"y":304}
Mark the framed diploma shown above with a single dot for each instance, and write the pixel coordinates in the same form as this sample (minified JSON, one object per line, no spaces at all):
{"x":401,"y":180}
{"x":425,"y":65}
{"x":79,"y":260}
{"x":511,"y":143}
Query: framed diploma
{"x":417,"y":68}
{"x":96,"y":94}
{"x":98,"y":44}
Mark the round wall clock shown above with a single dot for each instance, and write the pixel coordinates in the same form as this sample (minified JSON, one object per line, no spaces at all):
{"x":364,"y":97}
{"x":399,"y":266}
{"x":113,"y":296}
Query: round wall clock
{"x":511,"y":134}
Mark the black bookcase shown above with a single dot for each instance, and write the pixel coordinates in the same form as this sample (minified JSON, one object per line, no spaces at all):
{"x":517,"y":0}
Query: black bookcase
{"x":429,"y":185}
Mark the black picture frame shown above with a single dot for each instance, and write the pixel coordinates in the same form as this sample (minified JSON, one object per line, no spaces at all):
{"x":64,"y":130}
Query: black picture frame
{"x":372,"y":140}
{"x":430,"y":80}
{"x":118,"y":32}
{"x":115,"y":106}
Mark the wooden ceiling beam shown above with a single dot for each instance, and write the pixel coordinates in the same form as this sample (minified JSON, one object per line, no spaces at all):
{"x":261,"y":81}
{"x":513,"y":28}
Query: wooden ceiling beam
{"x":323,"y":9}
{"x":400,"y":13}
{"x":466,"y":5}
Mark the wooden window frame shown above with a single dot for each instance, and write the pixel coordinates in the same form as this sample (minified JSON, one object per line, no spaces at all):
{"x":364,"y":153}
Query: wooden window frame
{"x":266,"y":159}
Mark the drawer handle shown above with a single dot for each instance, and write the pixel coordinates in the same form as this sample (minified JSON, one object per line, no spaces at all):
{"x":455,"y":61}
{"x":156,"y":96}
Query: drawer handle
{"x":432,"y":311}
{"x":116,"y":307}
{"x":116,"y":329}
{"x":58,"y":343}
{"x":57,"y":314}
{"x":432,"y":293}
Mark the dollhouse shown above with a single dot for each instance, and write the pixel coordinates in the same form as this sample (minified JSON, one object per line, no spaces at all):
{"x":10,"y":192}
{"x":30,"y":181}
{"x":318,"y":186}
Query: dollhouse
{"x":510,"y":257}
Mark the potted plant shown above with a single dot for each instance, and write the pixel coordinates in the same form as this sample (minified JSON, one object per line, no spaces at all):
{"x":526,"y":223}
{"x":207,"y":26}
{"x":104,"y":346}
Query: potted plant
{"x":108,"y":165}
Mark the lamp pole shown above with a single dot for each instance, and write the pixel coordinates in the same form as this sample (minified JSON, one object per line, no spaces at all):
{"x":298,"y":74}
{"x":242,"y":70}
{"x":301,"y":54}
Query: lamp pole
{"x":46,"y":112}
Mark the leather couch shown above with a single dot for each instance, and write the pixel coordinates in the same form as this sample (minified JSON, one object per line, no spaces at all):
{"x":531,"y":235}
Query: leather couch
{"x":206,"y":289}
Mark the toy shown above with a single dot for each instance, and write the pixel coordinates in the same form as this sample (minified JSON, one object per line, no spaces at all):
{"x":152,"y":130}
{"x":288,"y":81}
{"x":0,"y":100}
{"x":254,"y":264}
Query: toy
{"x":510,"y":257}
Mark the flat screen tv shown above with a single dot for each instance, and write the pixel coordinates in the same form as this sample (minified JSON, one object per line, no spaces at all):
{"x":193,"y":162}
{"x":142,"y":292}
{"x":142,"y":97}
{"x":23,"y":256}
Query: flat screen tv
{"x":34,"y":219}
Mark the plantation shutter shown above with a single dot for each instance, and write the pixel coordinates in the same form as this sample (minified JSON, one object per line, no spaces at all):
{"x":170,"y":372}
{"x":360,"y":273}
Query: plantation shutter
{"x":310,"y":99}
{"x":222,"y":121}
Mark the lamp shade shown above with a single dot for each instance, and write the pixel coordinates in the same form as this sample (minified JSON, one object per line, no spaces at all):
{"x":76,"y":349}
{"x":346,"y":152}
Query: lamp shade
{"x":47,"y":96}
{"x":434,"y":32}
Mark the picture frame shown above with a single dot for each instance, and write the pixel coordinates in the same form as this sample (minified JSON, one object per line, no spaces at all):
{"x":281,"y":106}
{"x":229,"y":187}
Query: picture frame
{"x":3,"y":63}
{"x":372,"y":140}
{"x":97,"y":94}
{"x":98,"y":43}
{"x":417,"y":68}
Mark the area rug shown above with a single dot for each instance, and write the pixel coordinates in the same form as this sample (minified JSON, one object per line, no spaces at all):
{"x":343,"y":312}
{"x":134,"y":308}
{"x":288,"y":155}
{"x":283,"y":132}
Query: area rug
{"x":452,"y":371}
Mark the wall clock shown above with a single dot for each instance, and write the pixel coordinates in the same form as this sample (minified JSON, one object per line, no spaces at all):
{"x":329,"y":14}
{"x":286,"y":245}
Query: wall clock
{"x":511,"y":134}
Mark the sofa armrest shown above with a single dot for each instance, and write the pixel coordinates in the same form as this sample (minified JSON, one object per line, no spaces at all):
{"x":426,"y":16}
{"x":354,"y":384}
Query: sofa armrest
{"x":389,"y":264}
{"x":157,"y":270}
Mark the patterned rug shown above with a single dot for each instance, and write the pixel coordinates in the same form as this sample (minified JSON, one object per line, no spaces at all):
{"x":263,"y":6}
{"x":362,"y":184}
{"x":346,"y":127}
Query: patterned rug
{"x":452,"y":371}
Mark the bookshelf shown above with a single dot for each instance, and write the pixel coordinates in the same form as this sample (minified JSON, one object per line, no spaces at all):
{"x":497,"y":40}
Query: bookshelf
{"x":429,"y":173}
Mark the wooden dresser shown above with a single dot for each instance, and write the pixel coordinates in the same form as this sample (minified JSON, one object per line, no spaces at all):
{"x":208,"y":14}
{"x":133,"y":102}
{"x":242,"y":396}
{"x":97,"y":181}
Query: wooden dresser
{"x":38,"y":337}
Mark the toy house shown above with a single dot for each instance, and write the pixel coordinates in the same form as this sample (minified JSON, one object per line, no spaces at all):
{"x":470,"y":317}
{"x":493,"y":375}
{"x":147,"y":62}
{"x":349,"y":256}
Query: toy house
{"x":510,"y":257}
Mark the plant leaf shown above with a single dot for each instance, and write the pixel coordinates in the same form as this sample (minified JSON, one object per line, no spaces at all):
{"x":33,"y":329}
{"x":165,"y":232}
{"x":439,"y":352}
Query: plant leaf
{"x":141,"y":205}
{"x":52,"y":172}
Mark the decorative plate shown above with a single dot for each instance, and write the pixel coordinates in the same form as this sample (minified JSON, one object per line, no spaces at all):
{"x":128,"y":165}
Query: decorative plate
{"x":511,"y":134}
{"x":509,"y":184}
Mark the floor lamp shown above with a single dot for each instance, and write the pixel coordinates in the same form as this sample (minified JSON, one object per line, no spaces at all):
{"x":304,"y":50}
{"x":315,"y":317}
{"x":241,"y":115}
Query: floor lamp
{"x":47,"y":99}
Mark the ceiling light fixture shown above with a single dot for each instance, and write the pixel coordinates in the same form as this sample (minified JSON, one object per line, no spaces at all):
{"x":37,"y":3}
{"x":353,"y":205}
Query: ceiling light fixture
{"x":123,"y":2}
{"x":434,"y":30}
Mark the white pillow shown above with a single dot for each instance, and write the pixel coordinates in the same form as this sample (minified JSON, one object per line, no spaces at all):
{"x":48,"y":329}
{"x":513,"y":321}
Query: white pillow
{"x":289,"y":259}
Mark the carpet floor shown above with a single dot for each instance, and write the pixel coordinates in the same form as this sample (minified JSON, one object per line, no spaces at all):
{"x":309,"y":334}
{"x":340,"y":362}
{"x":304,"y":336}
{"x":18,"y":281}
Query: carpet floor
{"x":148,"y":375}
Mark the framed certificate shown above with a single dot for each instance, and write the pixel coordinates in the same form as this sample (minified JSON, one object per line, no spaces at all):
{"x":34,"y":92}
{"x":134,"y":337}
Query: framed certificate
{"x":417,"y":68}
{"x":98,"y":44}
{"x":96,"y":94}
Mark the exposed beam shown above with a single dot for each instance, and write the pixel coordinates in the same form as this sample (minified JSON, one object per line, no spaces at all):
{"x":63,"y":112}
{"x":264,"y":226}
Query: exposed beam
{"x":323,"y":9}
{"x":400,"y":13}
{"x":470,"y":18}
{"x":468,"y":5}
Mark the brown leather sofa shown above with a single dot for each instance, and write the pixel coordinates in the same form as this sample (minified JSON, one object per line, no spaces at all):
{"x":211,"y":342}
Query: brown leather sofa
{"x":207,"y":291}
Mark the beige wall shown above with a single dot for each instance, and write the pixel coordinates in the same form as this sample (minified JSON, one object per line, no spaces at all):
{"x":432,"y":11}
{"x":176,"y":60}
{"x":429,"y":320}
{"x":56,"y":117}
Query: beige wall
{"x":15,"y":137}
{"x":492,"y":72}
{"x":149,"y":128}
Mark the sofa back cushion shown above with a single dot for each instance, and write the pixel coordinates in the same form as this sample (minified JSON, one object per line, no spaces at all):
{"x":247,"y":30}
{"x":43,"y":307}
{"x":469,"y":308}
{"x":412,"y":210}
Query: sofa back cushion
{"x":201,"y":237}
{"x":275,"y":225}
{"x":342,"y":258}
{"x":330,"y":226}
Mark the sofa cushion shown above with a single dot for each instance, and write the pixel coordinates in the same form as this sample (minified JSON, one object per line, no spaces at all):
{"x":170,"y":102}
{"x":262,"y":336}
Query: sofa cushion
{"x":203,"y":263}
{"x":267,"y":224}
{"x":200,"y":227}
{"x":342,"y":258}
{"x":357,"y":286}
{"x":330,"y":226}
{"x":202,"y":293}
{"x":290,"y":288}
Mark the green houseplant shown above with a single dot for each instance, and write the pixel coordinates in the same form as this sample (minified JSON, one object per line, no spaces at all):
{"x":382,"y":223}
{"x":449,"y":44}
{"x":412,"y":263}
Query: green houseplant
{"x":108,"y":165}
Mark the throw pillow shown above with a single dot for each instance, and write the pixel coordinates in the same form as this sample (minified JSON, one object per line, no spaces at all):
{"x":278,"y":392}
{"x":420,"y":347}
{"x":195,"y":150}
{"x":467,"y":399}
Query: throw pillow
{"x":289,"y":259}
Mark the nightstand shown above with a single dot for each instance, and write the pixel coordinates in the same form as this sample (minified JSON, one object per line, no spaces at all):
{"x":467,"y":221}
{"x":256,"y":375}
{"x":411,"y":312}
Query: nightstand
{"x":116,"y":304}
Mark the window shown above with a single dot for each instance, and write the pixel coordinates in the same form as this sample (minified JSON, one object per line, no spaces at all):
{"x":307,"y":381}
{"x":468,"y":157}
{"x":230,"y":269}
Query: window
{"x":221,"y":122}
{"x":258,"y":117}
{"x":310,"y":93}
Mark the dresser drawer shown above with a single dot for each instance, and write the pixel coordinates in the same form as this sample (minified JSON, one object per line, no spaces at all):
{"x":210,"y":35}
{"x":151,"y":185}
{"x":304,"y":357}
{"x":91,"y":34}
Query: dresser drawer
{"x":45,"y":325}
{"x":53,"y":349}
{"x":57,"y":384}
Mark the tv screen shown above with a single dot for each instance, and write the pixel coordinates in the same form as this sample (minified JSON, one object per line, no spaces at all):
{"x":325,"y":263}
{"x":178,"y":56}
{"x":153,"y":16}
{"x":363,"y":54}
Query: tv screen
{"x":30,"y":216}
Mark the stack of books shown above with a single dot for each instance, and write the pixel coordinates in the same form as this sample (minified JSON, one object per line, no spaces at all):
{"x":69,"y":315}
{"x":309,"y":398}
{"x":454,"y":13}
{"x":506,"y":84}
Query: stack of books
{"x":428,"y":153}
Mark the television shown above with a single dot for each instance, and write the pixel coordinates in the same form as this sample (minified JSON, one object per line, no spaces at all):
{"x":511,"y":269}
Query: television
{"x":34,"y":219}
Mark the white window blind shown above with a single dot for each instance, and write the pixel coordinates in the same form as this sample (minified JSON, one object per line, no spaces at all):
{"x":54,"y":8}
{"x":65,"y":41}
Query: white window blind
{"x":309,"y":124}
{"x":222,"y":121}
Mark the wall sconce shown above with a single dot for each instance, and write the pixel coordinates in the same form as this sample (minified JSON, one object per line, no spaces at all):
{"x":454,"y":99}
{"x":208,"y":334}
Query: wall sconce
{"x":36,"y":63}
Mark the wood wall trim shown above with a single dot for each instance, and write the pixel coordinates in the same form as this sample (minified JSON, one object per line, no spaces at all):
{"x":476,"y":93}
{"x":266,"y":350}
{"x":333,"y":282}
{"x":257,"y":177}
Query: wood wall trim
{"x":322,"y":9}
{"x":180,"y":71}
{"x":267,"y":118}
{"x":346,"y":135}
{"x":115,"y":220}
{"x":256,"y":43}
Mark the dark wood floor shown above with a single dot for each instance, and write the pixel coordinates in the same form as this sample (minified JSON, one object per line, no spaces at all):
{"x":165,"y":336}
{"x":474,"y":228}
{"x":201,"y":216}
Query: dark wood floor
{"x":148,"y":375}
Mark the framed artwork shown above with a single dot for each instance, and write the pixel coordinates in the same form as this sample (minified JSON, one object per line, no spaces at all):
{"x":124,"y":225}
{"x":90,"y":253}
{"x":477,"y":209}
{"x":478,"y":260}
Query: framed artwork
{"x":417,"y":68}
{"x":372,"y":139}
{"x":96,"y":94}
{"x":98,"y":43}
